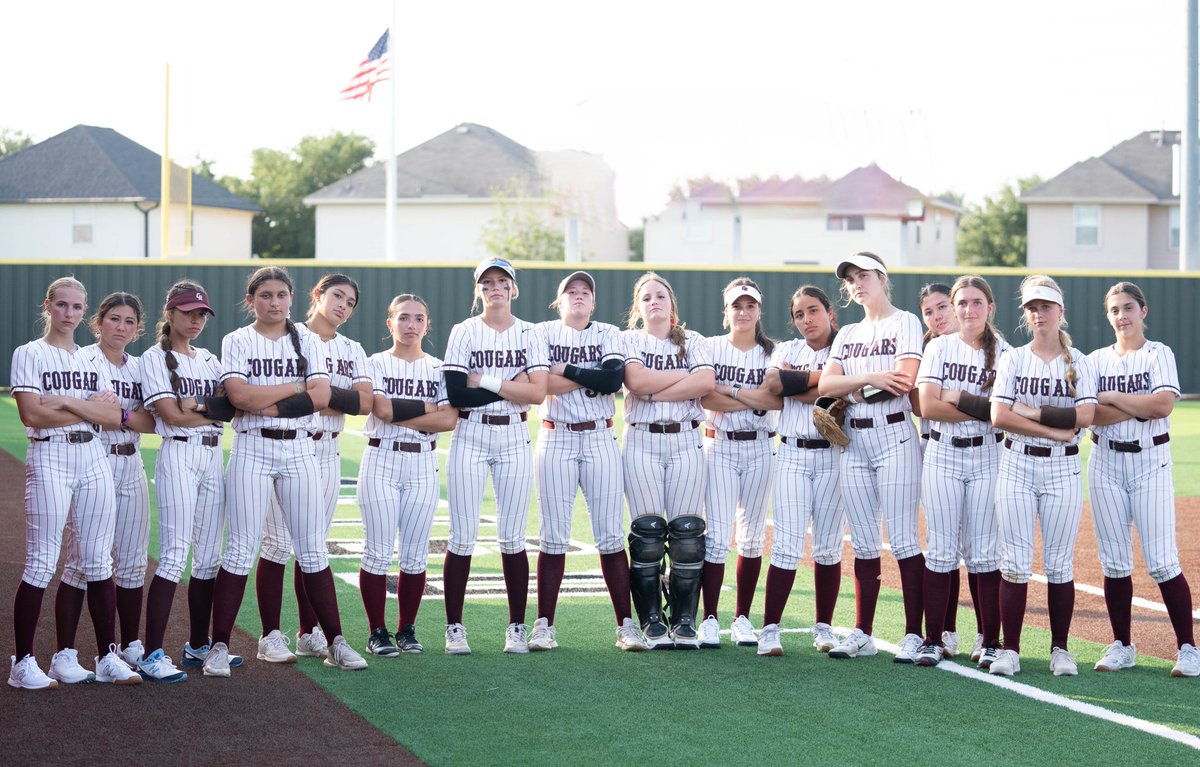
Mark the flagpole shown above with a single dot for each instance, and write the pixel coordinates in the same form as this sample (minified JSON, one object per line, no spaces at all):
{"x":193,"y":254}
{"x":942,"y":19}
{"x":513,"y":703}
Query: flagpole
{"x":165,"y":180}
{"x":389,"y":217}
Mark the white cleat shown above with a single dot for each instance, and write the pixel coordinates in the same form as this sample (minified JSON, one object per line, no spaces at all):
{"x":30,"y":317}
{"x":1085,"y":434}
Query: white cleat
{"x":343,"y":656}
{"x":629,"y":637}
{"x":710,"y":633}
{"x":741,"y":631}
{"x":456,"y":640}
{"x":543,"y":636}
{"x":1007,"y":663}
{"x":112,"y":669}
{"x":133,"y":653}
{"x":768,"y":640}
{"x":988,"y":657}
{"x":65,"y":668}
{"x":854,"y":645}
{"x":515,"y":639}
{"x":823,"y":637}
{"x":26,"y":675}
{"x":216,"y":660}
{"x":1187,"y":662}
{"x":1117,"y":656}
{"x":1062,"y":663}
{"x":313,"y":644}
{"x":910,"y":645}
{"x":273,"y":648}
{"x":949,"y":644}
{"x":159,"y":668}
{"x":977,"y":648}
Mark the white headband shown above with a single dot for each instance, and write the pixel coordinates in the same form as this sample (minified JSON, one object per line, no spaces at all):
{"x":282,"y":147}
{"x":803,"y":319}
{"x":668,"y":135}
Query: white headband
{"x":733,"y":293}
{"x":1041,"y":293}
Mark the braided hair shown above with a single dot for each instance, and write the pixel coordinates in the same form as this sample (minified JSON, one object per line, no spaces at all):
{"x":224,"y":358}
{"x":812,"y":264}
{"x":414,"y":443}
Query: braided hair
{"x":1036,"y":280}
{"x":163,"y":331}
{"x":676,"y":334}
{"x":990,"y":334}
{"x":256,"y":280}
{"x":760,"y":335}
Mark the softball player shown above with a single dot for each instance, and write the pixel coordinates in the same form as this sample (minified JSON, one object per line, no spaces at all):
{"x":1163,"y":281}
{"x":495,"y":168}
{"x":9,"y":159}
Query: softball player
{"x":959,"y":473}
{"x":667,"y":370}
{"x":264,"y":364}
{"x":1130,"y":478}
{"x":1045,"y":393}
{"x":739,"y":458}
{"x":874,"y":363}
{"x":333,"y":300}
{"x":806,"y":475}
{"x":64,"y":401}
{"x":495,"y":368}
{"x":178,"y":381}
{"x":578,"y":450}
{"x":398,"y":478}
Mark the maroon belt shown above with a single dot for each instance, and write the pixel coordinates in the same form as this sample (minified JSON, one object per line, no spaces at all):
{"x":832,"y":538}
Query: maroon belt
{"x":208,"y":440}
{"x":937,"y":436}
{"x":71,"y":437}
{"x":869,"y":423}
{"x":1131,"y":447}
{"x":1040,"y":452}
{"x":125,"y":448}
{"x":582,"y":426}
{"x":319,"y":435}
{"x":403,"y":447}
{"x":737,"y":436}
{"x":494,"y":420}
{"x":670,"y":428}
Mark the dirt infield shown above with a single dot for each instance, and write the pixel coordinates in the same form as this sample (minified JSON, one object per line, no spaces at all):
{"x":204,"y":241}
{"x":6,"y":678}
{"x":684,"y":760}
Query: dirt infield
{"x":264,"y":714}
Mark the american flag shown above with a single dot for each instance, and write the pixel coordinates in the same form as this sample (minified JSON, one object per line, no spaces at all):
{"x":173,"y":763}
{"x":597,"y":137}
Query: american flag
{"x":373,"y":69}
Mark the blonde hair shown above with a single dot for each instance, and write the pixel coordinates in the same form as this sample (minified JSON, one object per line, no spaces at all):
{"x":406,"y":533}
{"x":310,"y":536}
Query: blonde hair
{"x":1042,"y":280}
{"x":677,"y":334}
{"x":990,"y":334}
{"x":62,"y":283}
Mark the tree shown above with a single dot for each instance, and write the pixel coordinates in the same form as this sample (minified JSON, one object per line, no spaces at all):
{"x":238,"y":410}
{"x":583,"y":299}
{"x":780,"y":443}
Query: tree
{"x":994,"y":234}
{"x":13,"y":141}
{"x":279,"y":182}
{"x":521,"y":231}
{"x":637,"y":243}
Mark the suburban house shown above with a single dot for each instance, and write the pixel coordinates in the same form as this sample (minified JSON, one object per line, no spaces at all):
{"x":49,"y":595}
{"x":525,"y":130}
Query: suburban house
{"x":1116,"y":211}
{"x":91,"y":193}
{"x":453,"y":186}
{"x":797,"y":221}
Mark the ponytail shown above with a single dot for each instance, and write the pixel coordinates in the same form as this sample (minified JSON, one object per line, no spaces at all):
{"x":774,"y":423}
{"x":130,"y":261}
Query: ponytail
{"x":1072,"y":373}
{"x":301,"y":361}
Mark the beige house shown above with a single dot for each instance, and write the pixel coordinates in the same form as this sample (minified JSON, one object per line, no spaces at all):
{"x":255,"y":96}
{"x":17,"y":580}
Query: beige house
{"x":1116,"y":211}
{"x":797,"y":221}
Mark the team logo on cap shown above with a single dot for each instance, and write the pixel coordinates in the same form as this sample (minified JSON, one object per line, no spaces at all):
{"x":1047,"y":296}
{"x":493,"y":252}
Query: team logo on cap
{"x":200,"y":297}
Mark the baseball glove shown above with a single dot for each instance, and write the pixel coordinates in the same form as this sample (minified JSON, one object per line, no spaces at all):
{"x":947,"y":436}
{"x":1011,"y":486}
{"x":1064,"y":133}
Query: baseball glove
{"x":828,"y":415}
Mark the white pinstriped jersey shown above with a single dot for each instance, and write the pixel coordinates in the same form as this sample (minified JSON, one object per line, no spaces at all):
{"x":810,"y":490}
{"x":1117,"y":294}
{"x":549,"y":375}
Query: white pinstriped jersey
{"x":1022,"y":376}
{"x":747,"y":369}
{"x":1148,"y":370}
{"x":395,"y":378}
{"x":641,"y":348}
{"x":875,"y":347}
{"x":795,"y":420}
{"x":199,"y":375}
{"x":260,"y":361}
{"x":587,"y":348}
{"x":474,"y":347}
{"x":951,"y":363}
{"x":346,"y":363}
{"x":46,"y":370}
{"x":126,"y":383}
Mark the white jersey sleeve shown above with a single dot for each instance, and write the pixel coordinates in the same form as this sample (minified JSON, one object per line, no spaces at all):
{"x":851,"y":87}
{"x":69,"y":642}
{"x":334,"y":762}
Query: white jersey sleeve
{"x":475,"y":347}
{"x":46,"y":370}
{"x":747,"y":369}
{"x":874,"y":348}
{"x":396,"y":378}
{"x":641,"y":348}
{"x":1024,"y":377}
{"x":199,"y":374}
{"x":951,"y":363}
{"x":125,"y":382}
{"x":589,"y":348}
{"x":1147,"y":370}
{"x":260,"y":361}
{"x":795,"y":420}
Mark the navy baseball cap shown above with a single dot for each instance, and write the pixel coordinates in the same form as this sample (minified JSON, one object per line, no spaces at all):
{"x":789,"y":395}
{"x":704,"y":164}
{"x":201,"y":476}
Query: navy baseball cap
{"x":494,"y":262}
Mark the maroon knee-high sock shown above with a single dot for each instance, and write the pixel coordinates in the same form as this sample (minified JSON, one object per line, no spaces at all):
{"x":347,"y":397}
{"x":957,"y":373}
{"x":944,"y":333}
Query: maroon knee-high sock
{"x":323,"y":596}
{"x":268,"y":586}
{"x":228,"y":592}
{"x":866,"y":592}
{"x":987,"y":606}
{"x":937,"y":593}
{"x":102,"y":607}
{"x":779,"y":588}
{"x":827,"y":580}
{"x":1060,"y":601}
{"x":129,"y":613}
{"x":27,"y":606}
{"x":550,"y":568}
{"x":308,"y":616}
{"x":455,"y":570}
{"x":973,"y":585}
{"x":1012,"y":612}
{"x":1118,"y":597}
{"x":68,"y":606}
{"x":912,"y":580}
{"x":409,"y":592}
{"x":516,"y":584}
{"x":748,"y":569}
{"x":711,"y":577}
{"x":374,"y":596}
{"x":200,"y":609}
{"x":615,"y":566}
{"x":950,"y":622}
{"x":1177,"y":596}
{"x":159,"y":598}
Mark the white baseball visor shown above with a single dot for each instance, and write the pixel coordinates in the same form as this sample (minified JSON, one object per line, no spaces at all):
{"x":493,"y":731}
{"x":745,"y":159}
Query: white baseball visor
{"x":736,"y":291}
{"x":862,"y":262}
{"x":1041,"y":293}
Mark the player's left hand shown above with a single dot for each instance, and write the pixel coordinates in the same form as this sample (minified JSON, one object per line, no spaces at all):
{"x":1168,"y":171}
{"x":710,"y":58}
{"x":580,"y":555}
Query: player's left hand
{"x":105,"y":396}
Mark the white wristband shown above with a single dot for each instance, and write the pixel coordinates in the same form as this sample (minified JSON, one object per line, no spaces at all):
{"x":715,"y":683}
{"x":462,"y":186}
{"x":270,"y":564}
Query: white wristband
{"x":491,"y":383}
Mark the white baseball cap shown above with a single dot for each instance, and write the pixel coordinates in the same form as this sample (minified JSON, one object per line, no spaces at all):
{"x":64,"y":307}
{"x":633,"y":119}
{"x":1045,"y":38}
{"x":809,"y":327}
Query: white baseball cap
{"x":495,"y":262}
{"x":580,"y":275}
{"x":737,"y":291}
{"x":862,"y":261}
{"x":1041,"y":293}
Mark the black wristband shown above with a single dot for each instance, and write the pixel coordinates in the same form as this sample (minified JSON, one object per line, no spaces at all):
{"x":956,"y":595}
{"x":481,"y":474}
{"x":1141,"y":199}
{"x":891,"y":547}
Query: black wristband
{"x":217,"y":408}
{"x":974,"y":405}
{"x":404,"y":409}
{"x":794,"y":382}
{"x":344,"y":400}
{"x":295,"y":406}
{"x":1057,"y":417}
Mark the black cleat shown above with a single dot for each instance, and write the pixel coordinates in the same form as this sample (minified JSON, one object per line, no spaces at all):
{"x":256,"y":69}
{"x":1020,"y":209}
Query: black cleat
{"x":380,"y":643}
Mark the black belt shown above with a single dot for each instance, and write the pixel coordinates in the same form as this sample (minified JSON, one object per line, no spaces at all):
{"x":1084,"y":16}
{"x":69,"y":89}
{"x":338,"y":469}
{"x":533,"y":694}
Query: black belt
{"x":404,"y":447}
{"x":279,"y":433}
{"x":72,"y":437}
{"x":806,"y":444}
{"x":737,"y":436}
{"x":670,"y":428}
{"x":925,"y":436}
{"x":125,"y":448}
{"x":208,"y":440}
{"x":937,"y":436}
{"x":493,"y":420}
{"x":1040,"y":452}
{"x":582,"y":426}
{"x":869,"y":423}
{"x":1131,"y":447}
{"x":319,"y":435}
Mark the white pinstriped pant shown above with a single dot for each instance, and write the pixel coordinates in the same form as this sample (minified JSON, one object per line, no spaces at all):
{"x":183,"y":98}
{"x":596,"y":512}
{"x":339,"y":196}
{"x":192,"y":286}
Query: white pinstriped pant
{"x":664,"y":473}
{"x":277,"y":541}
{"x":958,"y":491}
{"x":738,"y":481}
{"x":397,"y":492}
{"x":474,"y":449}
{"x":880,"y":481}
{"x":1129,"y":489}
{"x":1038,"y":491}
{"x":131,"y":536}
{"x":189,"y":483}
{"x":565,"y":462}
{"x":806,"y":490}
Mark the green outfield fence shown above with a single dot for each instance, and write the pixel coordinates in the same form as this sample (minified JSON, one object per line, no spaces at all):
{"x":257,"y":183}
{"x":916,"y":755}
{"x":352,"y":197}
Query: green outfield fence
{"x":1174,"y":298}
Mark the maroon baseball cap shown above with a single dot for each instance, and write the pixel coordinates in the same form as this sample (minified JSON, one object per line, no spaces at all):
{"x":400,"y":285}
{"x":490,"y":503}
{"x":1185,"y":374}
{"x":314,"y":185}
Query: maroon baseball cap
{"x":189,"y":301}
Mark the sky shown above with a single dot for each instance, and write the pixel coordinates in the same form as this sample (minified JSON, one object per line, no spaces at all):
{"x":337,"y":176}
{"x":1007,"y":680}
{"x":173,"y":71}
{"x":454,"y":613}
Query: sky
{"x":947,"y":96}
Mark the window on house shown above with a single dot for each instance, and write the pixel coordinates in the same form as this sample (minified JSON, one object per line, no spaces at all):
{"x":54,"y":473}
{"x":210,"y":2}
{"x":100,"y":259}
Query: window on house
{"x":937,"y":231}
{"x":918,"y":234}
{"x":1173,"y":223}
{"x":81,"y":234}
{"x":845,"y":224}
{"x":82,"y":219}
{"x":1087,"y":225}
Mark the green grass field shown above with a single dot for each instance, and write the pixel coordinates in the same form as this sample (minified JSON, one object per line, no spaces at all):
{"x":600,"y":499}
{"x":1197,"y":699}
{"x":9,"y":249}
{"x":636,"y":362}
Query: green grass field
{"x":587,"y":703}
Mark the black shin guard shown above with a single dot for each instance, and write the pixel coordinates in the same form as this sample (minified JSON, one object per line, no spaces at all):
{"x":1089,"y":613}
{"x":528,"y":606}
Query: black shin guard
{"x":647,"y":544}
{"x":686,"y":551}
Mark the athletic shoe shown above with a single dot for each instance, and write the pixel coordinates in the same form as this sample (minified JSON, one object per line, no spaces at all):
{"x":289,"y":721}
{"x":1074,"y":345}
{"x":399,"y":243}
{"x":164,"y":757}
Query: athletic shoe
{"x":217,"y":661}
{"x":65,"y":668}
{"x":742,"y":632}
{"x":1062,"y":663}
{"x":658,"y":637}
{"x":542,"y":637}
{"x":343,"y":656}
{"x":909,"y":646}
{"x":159,"y":668}
{"x":854,"y":645}
{"x":977,"y":648}
{"x":273,"y":648}
{"x":685,"y":637}
{"x":823,"y":637}
{"x":516,"y":639}
{"x":710,"y":633}
{"x":1187,"y":662}
{"x":1006,"y":663}
{"x":456,"y":640}
{"x":193,"y":657}
{"x":988,"y":657}
{"x":406,"y":639}
{"x":26,"y":675}
{"x":768,"y":640}
{"x":928,"y":655}
{"x":312,"y":645}
{"x":629,"y":638}
{"x":380,"y":643}
{"x":949,"y":644}
{"x":133,"y":653}
{"x":1117,"y":656}
{"x":112,"y":669}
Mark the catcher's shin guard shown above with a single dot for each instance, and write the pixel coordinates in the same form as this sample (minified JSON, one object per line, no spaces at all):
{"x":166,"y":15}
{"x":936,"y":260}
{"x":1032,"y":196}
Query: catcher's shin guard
{"x":647,"y":545}
{"x":686,"y":551}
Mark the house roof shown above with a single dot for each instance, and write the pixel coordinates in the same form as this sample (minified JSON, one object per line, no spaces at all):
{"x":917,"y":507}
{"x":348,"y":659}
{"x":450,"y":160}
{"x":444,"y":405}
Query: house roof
{"x":777,"y":190}
{"x":98,"y":165}
{"x":468,"y":160}
{"x":1137,"y":170}
{"x":870,"y":191}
